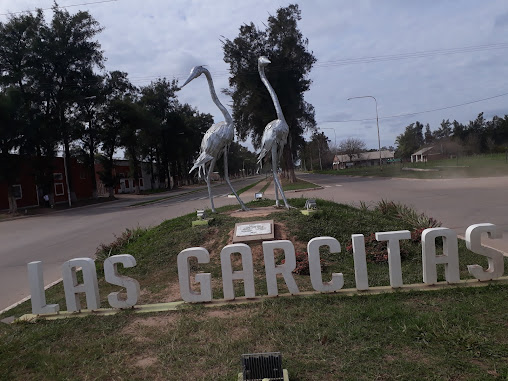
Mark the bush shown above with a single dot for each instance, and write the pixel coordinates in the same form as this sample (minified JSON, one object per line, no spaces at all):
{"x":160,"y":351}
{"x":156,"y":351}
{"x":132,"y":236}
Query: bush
{"x":302,"y":264}
{"x":116,"y":247}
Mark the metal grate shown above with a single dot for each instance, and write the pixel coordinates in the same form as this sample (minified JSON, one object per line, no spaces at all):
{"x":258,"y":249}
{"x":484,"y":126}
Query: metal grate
{"x":258,"y":366}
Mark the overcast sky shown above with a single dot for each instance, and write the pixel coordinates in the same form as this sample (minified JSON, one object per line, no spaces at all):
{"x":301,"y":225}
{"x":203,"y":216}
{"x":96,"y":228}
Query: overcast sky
{"x":155,"y":38}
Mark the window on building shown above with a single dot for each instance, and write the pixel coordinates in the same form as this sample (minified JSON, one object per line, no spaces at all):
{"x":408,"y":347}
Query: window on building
{"x":121,"y":175}
{"x":57,"y":176}
{"x":59,"y":189}
{"x":17,"y":191}
{"x":141,"y":183}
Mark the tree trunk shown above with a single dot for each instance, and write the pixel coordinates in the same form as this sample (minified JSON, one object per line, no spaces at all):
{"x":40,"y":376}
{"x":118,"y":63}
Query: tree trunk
{"x":13,"y":206}
{"x":67,"y":153}
{"x":92,"y":173}
{"x":290,"y":168}
{"x":91,"y":148}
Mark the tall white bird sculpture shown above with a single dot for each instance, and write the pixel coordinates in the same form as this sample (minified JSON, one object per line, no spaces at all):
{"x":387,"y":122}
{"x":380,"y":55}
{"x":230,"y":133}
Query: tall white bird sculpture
{"x":216,"y":140}
{"x":275,"y":135}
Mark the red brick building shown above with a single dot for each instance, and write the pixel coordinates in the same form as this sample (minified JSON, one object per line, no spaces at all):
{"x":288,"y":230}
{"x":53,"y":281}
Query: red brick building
{"x":126,"y":182}
{"x":28,"y":194}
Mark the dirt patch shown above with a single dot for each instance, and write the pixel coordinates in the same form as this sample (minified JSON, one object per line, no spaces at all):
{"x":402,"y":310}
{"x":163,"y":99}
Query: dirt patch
{"x":226,"y":313}
{"x":145,"y":362}
{"x":423,"y":305}
{"x":211,"y":239}
{"x":256,"y":212}
{"x":172,"y":293}
{"x":282,"y":232}
{"x":139,"y":326}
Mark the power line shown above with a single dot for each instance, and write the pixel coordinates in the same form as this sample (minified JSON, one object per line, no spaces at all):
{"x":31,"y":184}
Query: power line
{"x":359,"y":60}
{"x":61,"y":6}
{"x":416,"y":112}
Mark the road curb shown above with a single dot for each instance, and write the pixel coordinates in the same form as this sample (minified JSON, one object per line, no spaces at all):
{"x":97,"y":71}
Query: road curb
{"x":30,"y":296}
{"x":58,"y":211}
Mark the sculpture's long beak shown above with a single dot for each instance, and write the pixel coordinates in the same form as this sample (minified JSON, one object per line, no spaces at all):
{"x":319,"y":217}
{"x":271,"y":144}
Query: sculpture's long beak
{"x":187,"y":81}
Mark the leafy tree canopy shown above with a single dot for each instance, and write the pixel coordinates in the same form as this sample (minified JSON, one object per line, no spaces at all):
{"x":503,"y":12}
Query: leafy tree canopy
{"x":283,"y":43}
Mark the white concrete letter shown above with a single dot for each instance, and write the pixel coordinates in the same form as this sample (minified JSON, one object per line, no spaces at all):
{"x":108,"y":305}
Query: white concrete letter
{"x":184,"y":277}
{"x":38,"y":297}
{"x":495,"y":258}
{"x":228,"y":275}
{"x":394,"y":266}
{"x":112,"y":277}
{"x":73,"y":289}
{"x":286,"y":269}
{"x":316,"y":278}
{"x":450,"y":257}
{"x":360,"y":259}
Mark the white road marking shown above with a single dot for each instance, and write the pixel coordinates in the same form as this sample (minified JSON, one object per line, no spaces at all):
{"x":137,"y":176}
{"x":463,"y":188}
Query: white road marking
{"x":327,"y":186}
{"x":338,"y":185}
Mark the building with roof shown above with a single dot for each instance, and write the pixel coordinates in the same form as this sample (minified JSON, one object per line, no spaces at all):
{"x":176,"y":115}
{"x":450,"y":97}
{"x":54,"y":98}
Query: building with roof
{"x":427,"y":153}
{"x":364,"y":159}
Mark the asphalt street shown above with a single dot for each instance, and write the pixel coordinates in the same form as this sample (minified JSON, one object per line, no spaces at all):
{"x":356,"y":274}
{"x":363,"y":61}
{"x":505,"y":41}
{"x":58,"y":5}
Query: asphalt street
{"x":74,"y":233}
{"x":457,"y":203}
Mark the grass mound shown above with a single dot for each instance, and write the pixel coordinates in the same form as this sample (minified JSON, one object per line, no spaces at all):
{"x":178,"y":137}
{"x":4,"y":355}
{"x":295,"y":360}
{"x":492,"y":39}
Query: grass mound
{"x":450,"y":334}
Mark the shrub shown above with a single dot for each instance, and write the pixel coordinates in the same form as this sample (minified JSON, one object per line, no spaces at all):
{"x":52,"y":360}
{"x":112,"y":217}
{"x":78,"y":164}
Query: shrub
{"x":116,"y":247}
{"x":406,"y":214}
{"x":302,"y":264}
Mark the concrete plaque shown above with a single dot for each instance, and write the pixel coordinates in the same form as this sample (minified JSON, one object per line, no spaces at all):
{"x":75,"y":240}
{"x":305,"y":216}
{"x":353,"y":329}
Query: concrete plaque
{"x":253,"y":231}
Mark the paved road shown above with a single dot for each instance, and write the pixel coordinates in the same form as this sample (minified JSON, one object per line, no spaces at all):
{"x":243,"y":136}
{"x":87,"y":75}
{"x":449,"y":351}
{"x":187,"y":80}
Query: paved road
{"x":58,"y":237}
{"x":457,"y":203}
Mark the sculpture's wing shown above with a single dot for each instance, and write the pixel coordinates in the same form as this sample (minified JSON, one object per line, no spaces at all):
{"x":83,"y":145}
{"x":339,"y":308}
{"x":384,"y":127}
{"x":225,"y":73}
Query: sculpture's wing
{"x":268,"y":140}
{"x":216,"y":138}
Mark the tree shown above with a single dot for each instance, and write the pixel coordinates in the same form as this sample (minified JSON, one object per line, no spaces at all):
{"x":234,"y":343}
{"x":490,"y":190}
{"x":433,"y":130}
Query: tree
{"x":352,"y":147}
{"x":286,"y":48}
{"x":444,"y":131}
{"x":241,"y":160}
{"x":70,"y":55}
{"x":410,"y":141}
{"x":88,"y":125}
{"x":11,"y":133}
{"x":160,"y":100}
{"x":429,"y":137}
{"x":118,"y":90}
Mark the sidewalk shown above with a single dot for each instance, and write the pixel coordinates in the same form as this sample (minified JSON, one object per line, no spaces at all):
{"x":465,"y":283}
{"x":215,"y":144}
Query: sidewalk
{"x":249,"y":195}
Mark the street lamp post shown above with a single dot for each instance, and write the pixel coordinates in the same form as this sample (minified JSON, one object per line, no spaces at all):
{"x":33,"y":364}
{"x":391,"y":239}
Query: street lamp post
{"x":377,"y":122}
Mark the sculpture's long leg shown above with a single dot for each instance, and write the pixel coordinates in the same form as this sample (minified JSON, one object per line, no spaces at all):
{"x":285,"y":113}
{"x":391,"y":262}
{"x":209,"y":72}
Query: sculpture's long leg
{"x":226,"y":176}
{"x":274,"y":171}
{"x":276,"y":192}
{"x":210,"y":195}
{"x":276,"y":178}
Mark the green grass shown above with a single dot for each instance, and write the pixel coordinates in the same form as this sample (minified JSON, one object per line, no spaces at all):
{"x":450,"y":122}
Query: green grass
{"x":468,"y":166}
{"x":450,"y":334}
{"x":287,"y":186}
{"x":265,"y":187}
{"x":246,"y":188}
{"x":299,"y":184}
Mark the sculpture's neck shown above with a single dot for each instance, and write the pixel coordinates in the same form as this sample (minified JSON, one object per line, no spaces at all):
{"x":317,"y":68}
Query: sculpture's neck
{"x":215,"y":99}
{"x":275,"y":100}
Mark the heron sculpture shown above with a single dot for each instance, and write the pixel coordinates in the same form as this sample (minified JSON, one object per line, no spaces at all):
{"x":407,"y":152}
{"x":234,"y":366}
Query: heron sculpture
{"x":275,"y":135}
{"x":216,"y":140}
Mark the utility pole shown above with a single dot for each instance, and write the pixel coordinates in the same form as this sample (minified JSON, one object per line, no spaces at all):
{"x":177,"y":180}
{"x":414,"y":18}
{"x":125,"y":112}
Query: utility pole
{"x":377,"y":122}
